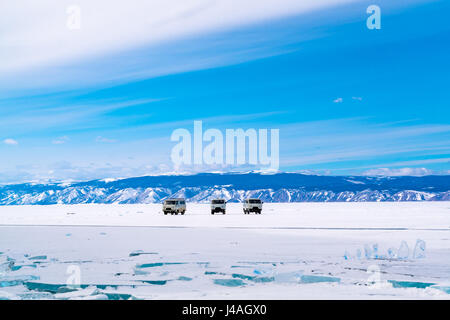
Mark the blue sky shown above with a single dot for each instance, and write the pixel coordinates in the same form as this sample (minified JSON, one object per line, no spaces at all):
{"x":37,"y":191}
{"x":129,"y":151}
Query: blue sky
{"x":347,"y":100}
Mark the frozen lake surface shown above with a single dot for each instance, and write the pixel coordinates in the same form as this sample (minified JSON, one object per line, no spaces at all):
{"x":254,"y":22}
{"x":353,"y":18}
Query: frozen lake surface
{"x":365,"y":250}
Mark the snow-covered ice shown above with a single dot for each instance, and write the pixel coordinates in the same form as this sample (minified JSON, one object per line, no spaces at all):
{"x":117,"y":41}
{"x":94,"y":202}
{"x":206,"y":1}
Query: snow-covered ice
{"x":290,"y":251}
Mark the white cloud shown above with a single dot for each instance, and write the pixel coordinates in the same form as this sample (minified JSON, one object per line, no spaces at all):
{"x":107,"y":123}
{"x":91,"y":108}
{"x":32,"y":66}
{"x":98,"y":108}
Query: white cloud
{"x":10,"y":141}
{"x":398,"y":172}
{"x":357,"y":98}
{"x":35,"y":33}
{"x":338,"y":100}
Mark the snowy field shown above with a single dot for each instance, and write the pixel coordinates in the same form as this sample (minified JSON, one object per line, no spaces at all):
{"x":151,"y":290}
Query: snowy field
{"x":386,"y":250}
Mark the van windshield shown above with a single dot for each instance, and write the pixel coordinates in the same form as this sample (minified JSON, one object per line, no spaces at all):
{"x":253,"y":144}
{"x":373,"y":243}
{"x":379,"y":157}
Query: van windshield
{"x":218,"y":201}
{"x":254,"y":201}
{"x":171,"y":202}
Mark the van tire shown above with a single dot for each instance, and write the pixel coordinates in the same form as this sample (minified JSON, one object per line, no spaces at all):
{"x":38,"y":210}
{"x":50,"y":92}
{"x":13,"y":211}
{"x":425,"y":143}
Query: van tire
{"x":212,"y":212}
{"x":223,"y":211}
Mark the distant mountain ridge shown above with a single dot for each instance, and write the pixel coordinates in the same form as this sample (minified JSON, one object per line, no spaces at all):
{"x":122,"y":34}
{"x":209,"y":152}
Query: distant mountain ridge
{"x":279,"y":187}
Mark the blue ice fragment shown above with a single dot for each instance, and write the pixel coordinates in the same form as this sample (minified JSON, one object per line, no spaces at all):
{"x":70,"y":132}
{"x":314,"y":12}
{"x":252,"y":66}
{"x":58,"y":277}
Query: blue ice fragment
{"x":288,"y":277}
{"x":419,"y":249}
{"x":155,"y":282}
{"x":315,"y":279}
{"x":140,"y":252}
{"x":62,"y":288}
{"x":214,"y":272}
{"x":157,"y":264}
{"x":392,"y":253}
{"x":252,"y":278}
{"x":18,"y":267}
{"x":119,"y":296}
{"x":347,"y":255}
{"x":403,"y":251}
{"x":242,"y":276}
{"x":10,"y":281}
{"x":264,"y":270}
{"x":241,"y":267}
{"x":229,"y":282}
{"x":183,"y":278}
{"x":367,"y":251}
{"x":39,"y":258}
{"x":410,"y":284}
{"x":46,"y":287}
{"x":375,"y":251}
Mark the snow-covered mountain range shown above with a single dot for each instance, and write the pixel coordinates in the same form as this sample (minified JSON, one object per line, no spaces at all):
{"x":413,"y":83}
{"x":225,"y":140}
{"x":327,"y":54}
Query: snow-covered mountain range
{"x":280,"y":187}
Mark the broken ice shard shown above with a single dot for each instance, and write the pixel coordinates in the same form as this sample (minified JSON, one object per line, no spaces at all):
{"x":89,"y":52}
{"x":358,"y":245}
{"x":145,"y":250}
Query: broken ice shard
{"x":10,"y":281}
{"x":419,"y":249}
{"x":140,"y":252}
{"x":367,"y":251}
{"x":315,"y":279}
{"x":347,"y":255}
{"x":403,"y":251}
{"x":392,"y":253}
{"x":410,"y":284}
{"x":288,"y":277}
{"x":252,"y":278}
{"x":229,"y":282}
{"x":375,"y":251}
{"x":263,"y":270}
{"x":39,"y":258}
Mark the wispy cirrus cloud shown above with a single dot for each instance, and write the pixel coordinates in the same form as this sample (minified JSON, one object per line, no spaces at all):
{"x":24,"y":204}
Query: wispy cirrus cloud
{"x":67,"y":114}
{"x":149,"y":38}
{"x":29,"y":40}
{"x":335,"y":142}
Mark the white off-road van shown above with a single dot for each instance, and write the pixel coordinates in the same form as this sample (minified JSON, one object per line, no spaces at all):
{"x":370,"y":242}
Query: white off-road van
{"x":174,"y":206}
{"x":218,"y":205}
{"x":252,"y":205}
